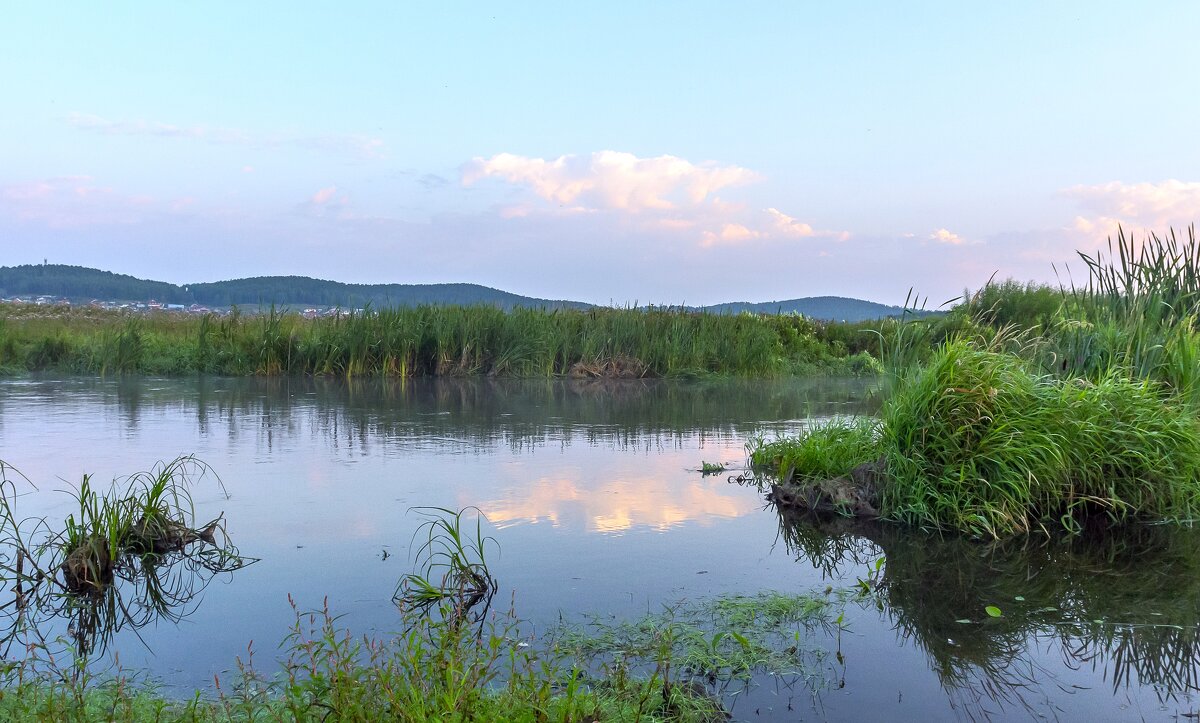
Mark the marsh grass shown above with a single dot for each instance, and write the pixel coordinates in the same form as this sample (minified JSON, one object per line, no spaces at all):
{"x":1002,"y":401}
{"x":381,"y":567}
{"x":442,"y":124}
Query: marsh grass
{"x":976,"y":442}
{"x":424,"y":341}
{"x":825,"y":450}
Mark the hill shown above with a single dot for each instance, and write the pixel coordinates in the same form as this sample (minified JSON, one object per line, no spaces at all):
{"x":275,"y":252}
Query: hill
{"x":82,"y":284}
{"x":303,"y":291}
{"x":828,"y":308}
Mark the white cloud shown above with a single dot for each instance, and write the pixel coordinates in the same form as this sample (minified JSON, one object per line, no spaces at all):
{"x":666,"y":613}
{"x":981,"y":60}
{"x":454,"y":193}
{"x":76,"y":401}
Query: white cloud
{"x":730,"y":233}
{"x":78,"y":201}
{"x":788,"y":226}
{"x":946,"y":236}
{"x":612,"y":180}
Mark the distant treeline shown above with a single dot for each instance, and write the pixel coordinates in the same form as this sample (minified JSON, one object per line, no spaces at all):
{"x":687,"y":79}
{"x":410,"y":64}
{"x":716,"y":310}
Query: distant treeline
{"x":81,"y":284}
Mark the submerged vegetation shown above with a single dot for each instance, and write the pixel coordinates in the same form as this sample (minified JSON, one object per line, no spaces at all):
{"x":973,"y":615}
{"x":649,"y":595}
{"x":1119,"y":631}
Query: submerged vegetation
{"x":668,"y":667}
{"x":1042,"y":416}
{"x":428,"y":340}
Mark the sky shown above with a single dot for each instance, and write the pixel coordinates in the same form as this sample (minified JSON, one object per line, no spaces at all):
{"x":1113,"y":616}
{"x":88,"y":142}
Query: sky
{"x":667,"y":152}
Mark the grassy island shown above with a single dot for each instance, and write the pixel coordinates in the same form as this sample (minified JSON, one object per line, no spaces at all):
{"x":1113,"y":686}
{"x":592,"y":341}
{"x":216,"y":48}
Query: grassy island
{"x":1053,"y":409}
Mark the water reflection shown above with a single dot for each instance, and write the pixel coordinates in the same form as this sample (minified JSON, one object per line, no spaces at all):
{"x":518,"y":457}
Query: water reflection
{"x":617,"y":505}
{"x":1121,"y":604}
{"x":363,"y":414}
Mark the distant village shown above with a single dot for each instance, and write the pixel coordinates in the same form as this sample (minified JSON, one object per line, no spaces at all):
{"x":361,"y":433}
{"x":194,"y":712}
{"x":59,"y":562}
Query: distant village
{"x":152,"y":306}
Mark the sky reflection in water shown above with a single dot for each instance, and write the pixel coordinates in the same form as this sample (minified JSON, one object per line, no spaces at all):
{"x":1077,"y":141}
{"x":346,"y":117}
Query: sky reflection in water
{"x":593,"y":496}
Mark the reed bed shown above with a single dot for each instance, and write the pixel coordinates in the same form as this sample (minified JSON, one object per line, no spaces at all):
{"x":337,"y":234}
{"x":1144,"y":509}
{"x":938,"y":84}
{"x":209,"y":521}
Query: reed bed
{"x":976,"y":442}
{"x":1040,"y":409}
{"x":426,"y":340}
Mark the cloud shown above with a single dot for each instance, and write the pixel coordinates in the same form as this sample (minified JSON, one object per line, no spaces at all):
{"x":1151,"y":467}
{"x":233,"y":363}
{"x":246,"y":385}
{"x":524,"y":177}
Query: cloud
{"x":730,"y":233}
{"x":1140,"y":207}
{"x":78,"y":201}
{"x":788,"y":226}
{"x":666,"y":195}
{"x":431,"y":181}
{"x":324,"y":195}
{"x":946,"y":236}
{"x":611,"y":180}
{"x":358,"y":146}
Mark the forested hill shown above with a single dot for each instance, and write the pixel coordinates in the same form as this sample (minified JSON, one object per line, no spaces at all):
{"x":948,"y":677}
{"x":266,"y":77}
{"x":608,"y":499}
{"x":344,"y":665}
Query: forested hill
{"x":80,"y":283}
{"x":301,"y":291}
{"x":832,"y":308}
{"x":83,"y":284}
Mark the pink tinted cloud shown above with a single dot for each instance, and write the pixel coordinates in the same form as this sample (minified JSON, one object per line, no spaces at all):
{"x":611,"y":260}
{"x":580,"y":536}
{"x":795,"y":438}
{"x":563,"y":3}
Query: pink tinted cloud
{"x":81,"y":202}
{"x":1137,"y":207}
{"x":672,"y":195}
{"x":324,"y":196}
{"x":611,"y":180}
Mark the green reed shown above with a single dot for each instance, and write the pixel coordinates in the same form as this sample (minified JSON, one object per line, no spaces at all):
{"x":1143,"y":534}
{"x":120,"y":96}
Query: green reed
{"x":824,"y":451}
{"x":423,"y":341}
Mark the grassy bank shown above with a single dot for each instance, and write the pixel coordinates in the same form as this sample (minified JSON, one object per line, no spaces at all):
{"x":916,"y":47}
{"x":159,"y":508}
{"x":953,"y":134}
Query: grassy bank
{"x":1042,"y":412}
{"x":441,"y":340}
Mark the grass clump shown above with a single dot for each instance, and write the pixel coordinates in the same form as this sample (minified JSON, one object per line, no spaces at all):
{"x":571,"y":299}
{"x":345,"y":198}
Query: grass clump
{"x":978,"y":441}
{"x":122,"y":559}
{"x":825,"y":450}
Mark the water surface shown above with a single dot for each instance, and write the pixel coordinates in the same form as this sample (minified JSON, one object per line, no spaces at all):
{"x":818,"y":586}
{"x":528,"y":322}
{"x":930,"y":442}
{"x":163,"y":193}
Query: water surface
{"x":593,"y":496}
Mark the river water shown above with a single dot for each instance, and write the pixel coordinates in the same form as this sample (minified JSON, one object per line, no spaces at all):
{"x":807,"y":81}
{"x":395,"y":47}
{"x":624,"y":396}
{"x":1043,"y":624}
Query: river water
{"x":593,"y":495}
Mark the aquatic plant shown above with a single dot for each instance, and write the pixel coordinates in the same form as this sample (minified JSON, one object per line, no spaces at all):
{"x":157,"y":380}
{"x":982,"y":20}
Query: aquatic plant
{"x":672,"y":667}
{"x":452,"y":578}
{"x":121,"y":560}
{"x":975,"y":441}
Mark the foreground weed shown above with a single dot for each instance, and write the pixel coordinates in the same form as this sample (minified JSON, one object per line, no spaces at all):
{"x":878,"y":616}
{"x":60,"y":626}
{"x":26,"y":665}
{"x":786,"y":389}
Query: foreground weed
{"x":452,"y":566}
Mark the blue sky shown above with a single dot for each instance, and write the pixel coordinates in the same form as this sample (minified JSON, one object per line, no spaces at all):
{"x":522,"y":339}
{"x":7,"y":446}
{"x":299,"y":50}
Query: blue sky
{"x":617,"y":152}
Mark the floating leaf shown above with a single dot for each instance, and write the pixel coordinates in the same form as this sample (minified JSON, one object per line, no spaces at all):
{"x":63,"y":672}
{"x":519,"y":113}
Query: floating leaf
{"x":993,"y":611}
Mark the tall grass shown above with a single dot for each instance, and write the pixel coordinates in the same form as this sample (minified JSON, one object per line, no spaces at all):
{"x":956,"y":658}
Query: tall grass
{"x":824,"y":451}
{"x":420,"y":341}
